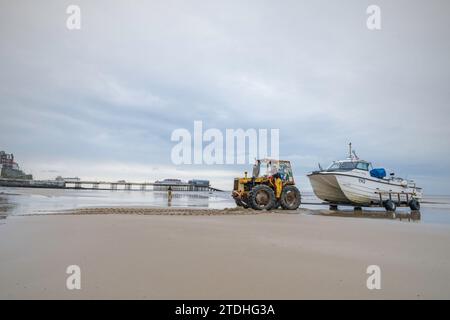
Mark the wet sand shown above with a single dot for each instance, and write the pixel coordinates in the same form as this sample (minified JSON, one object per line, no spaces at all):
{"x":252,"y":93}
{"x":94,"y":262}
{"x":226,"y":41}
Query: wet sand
{"x":215,"y":254}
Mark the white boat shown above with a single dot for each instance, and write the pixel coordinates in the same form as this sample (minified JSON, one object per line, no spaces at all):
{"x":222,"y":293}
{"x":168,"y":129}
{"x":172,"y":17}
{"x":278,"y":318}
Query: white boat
{"x":353,"y":181}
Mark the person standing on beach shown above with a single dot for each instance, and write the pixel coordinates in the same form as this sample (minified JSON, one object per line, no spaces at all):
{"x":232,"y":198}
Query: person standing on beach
{"x":169,"y":196}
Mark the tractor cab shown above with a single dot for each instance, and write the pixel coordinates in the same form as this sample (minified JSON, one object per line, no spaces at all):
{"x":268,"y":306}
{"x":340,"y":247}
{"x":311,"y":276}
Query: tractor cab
{"x":270,"y":167}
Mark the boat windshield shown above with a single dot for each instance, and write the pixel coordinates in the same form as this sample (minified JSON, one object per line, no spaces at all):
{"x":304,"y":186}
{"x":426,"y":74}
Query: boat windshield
{"x":348,"y":165}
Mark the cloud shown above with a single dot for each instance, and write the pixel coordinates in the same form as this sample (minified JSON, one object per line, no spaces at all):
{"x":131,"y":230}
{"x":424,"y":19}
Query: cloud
{"x":115,"y":90}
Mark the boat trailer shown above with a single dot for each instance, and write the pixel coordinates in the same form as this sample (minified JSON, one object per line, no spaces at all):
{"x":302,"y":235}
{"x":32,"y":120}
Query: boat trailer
{"x":387,"y":200}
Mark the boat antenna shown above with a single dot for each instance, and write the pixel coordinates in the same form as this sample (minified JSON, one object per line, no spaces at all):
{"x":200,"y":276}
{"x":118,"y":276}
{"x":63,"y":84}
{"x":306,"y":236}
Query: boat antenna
{"x":350,"y":150}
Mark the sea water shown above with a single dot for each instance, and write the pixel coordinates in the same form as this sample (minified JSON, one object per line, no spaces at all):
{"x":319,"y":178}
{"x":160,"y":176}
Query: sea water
{"x":23,"y":201}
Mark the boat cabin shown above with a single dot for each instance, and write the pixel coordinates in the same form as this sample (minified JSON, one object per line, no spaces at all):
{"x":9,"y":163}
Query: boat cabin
{"x":352,"y":164}
{"x":347,"y":165}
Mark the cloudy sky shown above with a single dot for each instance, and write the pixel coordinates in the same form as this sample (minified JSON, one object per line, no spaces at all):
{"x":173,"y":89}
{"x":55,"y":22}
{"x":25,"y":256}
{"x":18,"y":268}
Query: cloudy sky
{"x":102,"y":101}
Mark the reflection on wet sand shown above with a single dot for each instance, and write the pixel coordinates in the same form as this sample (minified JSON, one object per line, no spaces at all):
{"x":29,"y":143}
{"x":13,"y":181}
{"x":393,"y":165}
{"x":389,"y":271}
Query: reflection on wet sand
{"x":22,"y":201}
{"x":5,"y":207}
{"x":181,"y":195}
{"x":188,"y":199}
{"x":402,"y":216}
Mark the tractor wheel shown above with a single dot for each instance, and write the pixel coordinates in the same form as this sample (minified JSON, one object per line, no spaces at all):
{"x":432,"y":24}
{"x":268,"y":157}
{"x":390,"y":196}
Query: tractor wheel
{"x":241,"y":203}
{"x":261,"y":197}
{"x":290,"y":198}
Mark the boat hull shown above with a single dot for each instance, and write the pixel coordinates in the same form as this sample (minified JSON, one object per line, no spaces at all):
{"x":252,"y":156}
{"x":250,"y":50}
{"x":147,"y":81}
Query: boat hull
{"x":326,"y":188}
{"x":348,"y":188}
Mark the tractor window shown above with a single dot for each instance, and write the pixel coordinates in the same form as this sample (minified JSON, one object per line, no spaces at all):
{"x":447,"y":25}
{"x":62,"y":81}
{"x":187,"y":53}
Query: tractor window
{"x":264,"y":170}
{"x":268,"y":169}
{"x":285,"y":171}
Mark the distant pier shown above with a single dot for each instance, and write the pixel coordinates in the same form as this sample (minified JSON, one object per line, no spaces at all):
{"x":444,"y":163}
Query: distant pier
{"x":164,"y":185}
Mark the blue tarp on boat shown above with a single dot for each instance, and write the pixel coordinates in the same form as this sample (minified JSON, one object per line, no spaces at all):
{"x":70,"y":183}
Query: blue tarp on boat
{"x":379,"y":173}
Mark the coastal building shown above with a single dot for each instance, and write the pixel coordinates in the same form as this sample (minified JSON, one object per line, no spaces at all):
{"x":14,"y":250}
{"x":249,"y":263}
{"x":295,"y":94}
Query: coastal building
{"x":10,"y":169}
{"x":199,"y":183}
{"x":174,"y":184}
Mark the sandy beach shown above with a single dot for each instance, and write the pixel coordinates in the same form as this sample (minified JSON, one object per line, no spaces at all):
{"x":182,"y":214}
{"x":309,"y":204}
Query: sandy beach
{"x":200,"y":255}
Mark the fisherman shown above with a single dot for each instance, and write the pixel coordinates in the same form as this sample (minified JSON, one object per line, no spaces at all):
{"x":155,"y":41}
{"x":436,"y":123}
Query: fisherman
{"x":169,"y":196}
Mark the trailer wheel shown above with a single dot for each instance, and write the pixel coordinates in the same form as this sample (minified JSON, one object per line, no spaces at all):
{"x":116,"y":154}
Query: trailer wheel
{"x":390,"y":205}
{"x":414,"y":205}
{"x":290,"y":198}
{"x":261,"y":197}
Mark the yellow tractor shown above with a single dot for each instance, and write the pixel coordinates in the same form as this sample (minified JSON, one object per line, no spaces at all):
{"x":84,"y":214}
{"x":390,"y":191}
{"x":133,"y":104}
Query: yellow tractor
{"x":270,"y":186}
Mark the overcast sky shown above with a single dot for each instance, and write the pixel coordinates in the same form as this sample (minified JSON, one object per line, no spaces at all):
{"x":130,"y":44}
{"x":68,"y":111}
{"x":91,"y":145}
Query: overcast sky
{"x":102,"y":102}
